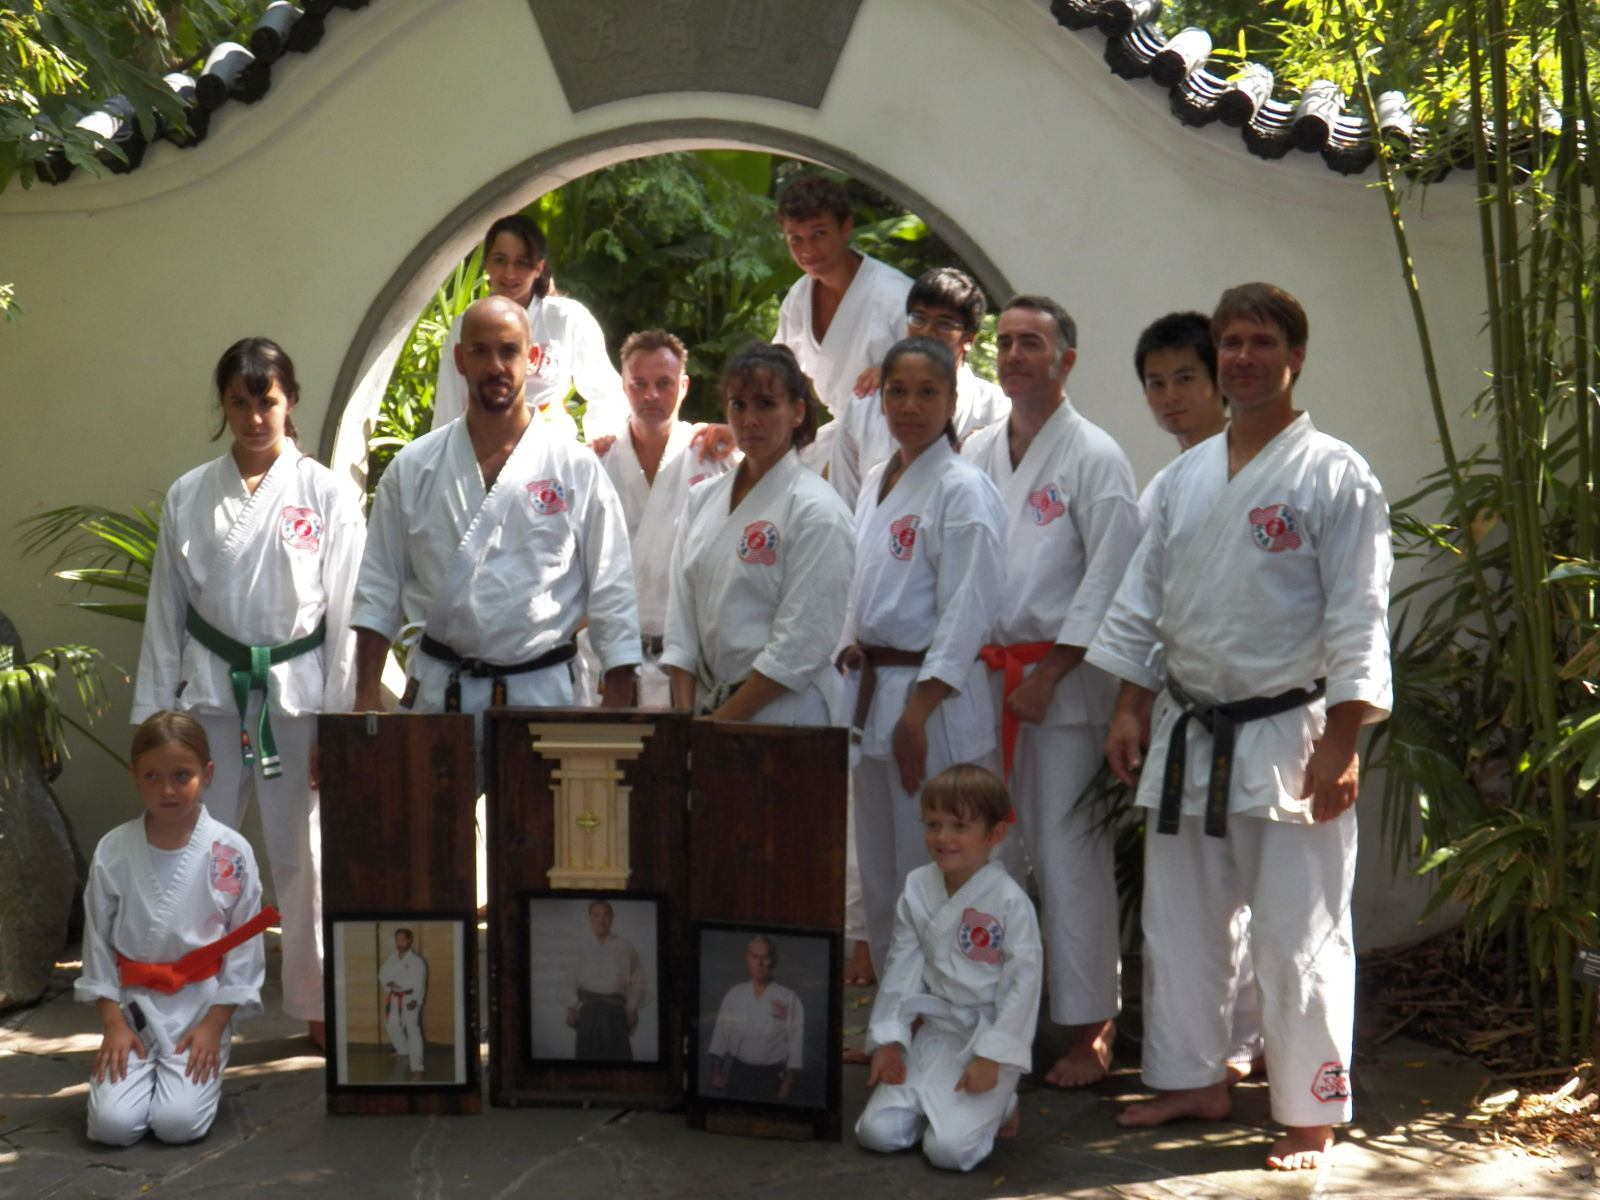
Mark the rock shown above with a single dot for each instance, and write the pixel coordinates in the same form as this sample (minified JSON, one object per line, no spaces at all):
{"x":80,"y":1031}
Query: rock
{"x":39,"y":873}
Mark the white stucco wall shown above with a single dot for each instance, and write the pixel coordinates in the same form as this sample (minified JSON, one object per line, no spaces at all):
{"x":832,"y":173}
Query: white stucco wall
{"x":324,"y":216}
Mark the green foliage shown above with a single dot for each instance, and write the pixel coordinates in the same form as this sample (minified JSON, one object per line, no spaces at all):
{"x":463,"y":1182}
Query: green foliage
{"x":31,"y":719}
{"x":61,"y":59}
{"x":114,"y":550}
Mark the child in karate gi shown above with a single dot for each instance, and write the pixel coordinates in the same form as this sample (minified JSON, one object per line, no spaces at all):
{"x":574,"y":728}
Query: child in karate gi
{"x":967,"y":960}
{"x":170,"y":948}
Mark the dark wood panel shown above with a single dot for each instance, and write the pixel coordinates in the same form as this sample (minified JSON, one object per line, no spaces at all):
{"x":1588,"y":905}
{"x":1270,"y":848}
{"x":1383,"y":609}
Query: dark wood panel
{"x":521,"y":853}
{"x":397,"y":836}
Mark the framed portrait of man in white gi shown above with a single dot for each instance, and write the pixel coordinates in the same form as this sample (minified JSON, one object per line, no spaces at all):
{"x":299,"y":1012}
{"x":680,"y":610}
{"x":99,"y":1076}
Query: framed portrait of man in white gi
{"x":401,"y":1002}
{"x":766,"y":1025}
{"x":596,"y":996}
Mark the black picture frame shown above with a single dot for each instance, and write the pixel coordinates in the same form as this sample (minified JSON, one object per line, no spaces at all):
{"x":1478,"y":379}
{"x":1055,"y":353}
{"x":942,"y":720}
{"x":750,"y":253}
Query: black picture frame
{"x":557,"y":923}
{"x":808,"y":971}
{"x":362,"y":1056}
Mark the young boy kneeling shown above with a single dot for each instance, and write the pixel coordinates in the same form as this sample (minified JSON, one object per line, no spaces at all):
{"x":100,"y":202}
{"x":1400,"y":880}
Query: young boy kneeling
{"x":967,"y":960}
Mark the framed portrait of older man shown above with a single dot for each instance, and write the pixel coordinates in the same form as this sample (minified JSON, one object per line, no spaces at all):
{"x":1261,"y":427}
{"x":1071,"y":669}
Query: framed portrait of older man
{"x":766,"y":1024}
{"x":594,"y":980}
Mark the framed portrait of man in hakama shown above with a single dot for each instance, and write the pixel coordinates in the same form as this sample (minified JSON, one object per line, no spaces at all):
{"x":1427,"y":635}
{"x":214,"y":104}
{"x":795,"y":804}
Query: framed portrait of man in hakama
{"x":594,"y":979}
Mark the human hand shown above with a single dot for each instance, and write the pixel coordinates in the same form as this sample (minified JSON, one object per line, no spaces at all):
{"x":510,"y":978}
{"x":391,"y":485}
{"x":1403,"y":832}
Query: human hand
{"x":786,"y":1086}
{"x":910,"y":747}
{"x":713,"y":442}
{"x":1031,"y":699}
{"x":602,"y":443}
{"x":1126,"y":741}
{"x":1332,"y":779}
{"x":867,"y":382}
{"x":887,"y":1066}
{"x":572,"y":1018}
{"x":203,"y":1044}
{"x":620,"y":688}
{"x":981,"y":1075}
{"x":412,"y":1005}
{"x":111,"y":1061}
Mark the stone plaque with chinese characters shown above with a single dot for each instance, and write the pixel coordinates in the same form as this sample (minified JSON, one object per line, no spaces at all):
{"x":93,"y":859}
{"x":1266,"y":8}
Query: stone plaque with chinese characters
{"x":606,"y":50}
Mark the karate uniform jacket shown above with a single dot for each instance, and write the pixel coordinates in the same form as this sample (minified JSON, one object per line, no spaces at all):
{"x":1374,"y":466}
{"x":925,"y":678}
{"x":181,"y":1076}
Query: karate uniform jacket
{"x":571,"y":350}
{"x":1072,"y":523}
{"x":928,"y":572}
{"x":609,"y":968}
{"x":503,"y":575}
{"x":651,"y":511}
{"x":871,"y":318}
{"x":1256,"y":586}
{"x":764,"y":588}
{"x":215,"y":889}
{"x":263,"y":568}
{"x":764,"y":1030}
{"x":408,"y":974}
{"x":864,"y":439}
{"x":969,"y":963}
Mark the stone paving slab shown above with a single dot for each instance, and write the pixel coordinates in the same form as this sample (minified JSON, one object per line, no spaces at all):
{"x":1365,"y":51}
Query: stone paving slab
{"x":273,"y":1136}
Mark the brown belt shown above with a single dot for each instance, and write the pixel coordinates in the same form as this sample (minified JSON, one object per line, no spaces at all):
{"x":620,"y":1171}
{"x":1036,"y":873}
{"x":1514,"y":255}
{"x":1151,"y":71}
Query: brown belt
{"x":866,"y":660}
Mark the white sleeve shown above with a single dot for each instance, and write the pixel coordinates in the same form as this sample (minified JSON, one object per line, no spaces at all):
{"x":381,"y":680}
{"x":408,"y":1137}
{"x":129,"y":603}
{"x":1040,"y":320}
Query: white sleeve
{"x":379,"y":583}
{"x":1354,"y":558}
{"x":422,"y":980}
{"x":797,"y":1035}
{"x":450,"y":388}
{"x":815,"y":593}
{"x":680,"y":642}
{"x":340,"y":565}
{"x":638,"y":986}
{"x":901,"y":979}
{"x":971,"y":566}
{"x":844,"y":466}
{"x":1109,"y":524}
{"x":1126,"y":641}
{"x":595,"y":378}
{"x":100,"y":979}
{"x":244,"y":968}
{"x":608,"y":562}
{"x":1009,"y":1040}
{"x":166,"y":607}
{"x":722,"y":1033}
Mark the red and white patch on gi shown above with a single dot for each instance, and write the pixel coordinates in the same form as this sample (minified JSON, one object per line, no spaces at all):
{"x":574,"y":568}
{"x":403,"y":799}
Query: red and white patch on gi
{"x":980,"y":936}
{"x":544,"y":360}
{"x":780,"y":1011}
{"x":1046,"y":504}
{"x":301,"y":528}
{"x":548,"y":496}
{"x":227,"y":868}
{"x":903,"y":537}
{"x":1275,"y":528}
{"x":694,"y":479}
{"x":1332,"y":1082}
{"x":759,"y":544}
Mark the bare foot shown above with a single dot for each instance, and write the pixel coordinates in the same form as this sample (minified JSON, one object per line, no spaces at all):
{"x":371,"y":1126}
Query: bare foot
{"x":1209,"y":1103}
{"x":1088,"y":1060}
{"x":860,"y":973}
{"x":1012,"y":1123}
{"x":1302,"y":1148}
{"x":1238,"y":1072}
{"x":318,"y":1031}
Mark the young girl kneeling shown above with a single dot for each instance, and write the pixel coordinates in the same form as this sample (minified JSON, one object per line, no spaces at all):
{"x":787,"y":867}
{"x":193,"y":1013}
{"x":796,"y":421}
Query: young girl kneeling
{"x":170,"y":947}
{"x":966,"y":958}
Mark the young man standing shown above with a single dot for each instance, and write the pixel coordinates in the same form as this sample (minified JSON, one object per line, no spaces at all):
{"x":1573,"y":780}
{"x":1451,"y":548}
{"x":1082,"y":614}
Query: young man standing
{"x":1265,"y":577}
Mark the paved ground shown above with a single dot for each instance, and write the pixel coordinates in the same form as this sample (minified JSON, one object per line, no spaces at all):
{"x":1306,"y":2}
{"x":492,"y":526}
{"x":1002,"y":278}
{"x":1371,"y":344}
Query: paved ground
{"x":273,"y":1136}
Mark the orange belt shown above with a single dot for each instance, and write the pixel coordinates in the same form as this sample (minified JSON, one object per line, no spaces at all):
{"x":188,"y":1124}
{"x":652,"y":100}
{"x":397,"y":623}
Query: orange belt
{"x":1011,"y":660}
{"x":195,"y":965}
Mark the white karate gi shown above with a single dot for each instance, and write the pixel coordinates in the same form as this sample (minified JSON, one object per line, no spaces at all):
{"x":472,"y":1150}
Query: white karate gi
{"x":764,"y":588}
{"x":768,"y":1030}
{"x":214,"y":889}
{"x":1072,"y":523}
{"x":609,"y":968}
{"x":871,"y":318}
{"x":404,"y":980}
{"x":571,"y":351}
{"x":652,"y":511}
{"x":970,"y":966}
{"x":503,"y":575}
{"x":865,"y":440}
{"x":928,"y":571}
{"x":263,"y":568}
{"x":1255,"y":586}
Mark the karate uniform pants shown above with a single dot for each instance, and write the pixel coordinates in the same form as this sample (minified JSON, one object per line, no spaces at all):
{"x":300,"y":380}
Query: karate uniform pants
{"x":957,"y":1129}
{"x":1297,"y":881}
{"x":155,"y":1096}
{"x":403,"y":1024}
{"x":291,"y":825}
{"x":1073,"y":865}
{"x":855,"y":910}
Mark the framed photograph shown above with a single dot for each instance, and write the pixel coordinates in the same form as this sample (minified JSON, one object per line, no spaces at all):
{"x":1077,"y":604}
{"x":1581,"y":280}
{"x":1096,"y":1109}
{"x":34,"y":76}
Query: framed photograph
{"x":400,"y":1002}
{"x":766,"y":1028}
{"x":593,"y":970}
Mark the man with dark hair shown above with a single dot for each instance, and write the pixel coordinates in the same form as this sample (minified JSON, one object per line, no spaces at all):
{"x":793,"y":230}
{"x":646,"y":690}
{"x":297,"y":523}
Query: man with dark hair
{"x":845,"y":312}
{"x":1264,"y":579}
{"x":404,"y":980}
{"x":1071,"y":525}
{"x":944,"y":304}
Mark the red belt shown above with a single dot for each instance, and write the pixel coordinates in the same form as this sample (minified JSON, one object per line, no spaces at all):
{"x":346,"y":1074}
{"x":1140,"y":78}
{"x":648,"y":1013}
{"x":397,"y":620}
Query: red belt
{"x":195,"y":965}
{"x":1011,"y":660}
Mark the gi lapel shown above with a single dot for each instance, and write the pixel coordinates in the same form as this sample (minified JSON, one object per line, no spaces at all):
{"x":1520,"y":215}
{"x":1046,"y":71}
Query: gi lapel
{"x":256,"y":519}
{"x":1058,"y":433}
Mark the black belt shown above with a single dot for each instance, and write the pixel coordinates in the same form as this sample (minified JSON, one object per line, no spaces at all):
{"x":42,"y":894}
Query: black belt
{"x":479,"y":669}
{"x":1221,"y":720}
{"x":652,"y":644}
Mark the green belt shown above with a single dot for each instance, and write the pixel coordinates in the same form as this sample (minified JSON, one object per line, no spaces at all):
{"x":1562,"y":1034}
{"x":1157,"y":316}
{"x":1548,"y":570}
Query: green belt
{"x":248,"y":671}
